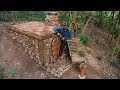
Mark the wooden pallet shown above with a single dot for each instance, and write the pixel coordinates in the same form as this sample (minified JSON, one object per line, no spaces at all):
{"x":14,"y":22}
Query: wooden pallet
{"x":73,"y":45}
{"x":59,"y":67}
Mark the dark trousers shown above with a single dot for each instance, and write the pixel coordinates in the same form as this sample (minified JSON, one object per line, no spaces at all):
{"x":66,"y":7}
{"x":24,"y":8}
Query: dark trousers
{"x":64,"y":46}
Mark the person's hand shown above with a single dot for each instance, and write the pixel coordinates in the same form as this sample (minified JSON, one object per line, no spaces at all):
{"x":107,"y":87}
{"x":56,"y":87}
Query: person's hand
{"x":55,"y":33}
{"x":63,"y":39}
{"x":58,"y":34}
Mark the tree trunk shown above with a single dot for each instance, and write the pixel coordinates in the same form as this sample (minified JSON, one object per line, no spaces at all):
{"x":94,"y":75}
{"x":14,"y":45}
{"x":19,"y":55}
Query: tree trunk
{"x":118,"y":40}
{"x":13,"y":15}
{"x":74,"y":21}
{"x":83,"y":15}
{"x":70,"y":22}
{"x":74,"y":16}
{"x":114,"y":26}
{"x":87,"y":24}
{"x":100,"y":17}
{"x":110,"y":28}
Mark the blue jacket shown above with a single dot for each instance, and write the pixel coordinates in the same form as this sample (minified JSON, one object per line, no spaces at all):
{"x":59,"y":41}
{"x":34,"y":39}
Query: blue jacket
{"x":65,"y":34}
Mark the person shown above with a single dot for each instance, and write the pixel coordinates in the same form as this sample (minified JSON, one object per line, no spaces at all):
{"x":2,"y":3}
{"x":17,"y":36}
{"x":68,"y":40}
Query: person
{"x":66,"y":34}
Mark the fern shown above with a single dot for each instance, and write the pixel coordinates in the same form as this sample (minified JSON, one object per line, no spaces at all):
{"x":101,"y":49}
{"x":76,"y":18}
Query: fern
{"x":4,"y":76}
{"x":84,"y":39}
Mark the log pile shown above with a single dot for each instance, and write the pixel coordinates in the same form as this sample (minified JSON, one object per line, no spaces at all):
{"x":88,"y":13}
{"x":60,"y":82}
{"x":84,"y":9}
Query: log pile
{"x":52,"y":19}
{"x":37,"y":45}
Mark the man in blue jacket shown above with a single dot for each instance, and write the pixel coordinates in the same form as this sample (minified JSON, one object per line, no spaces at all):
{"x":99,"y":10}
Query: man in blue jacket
{"x":65,"y":35}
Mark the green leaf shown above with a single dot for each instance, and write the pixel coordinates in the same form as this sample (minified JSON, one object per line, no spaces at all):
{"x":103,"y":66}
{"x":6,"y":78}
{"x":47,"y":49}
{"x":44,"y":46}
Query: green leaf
{"x":78,"y":19}
{"x":13,"y":70}
{"x":13,"y":73}
{"x":109,"y":14}
{"x":3,"y":69}
{"x":84,"y":39}
{"x":13,"y":76}
{"x":117,"y":48}
{"x":119,"y":26}
{"x":81,"y":53}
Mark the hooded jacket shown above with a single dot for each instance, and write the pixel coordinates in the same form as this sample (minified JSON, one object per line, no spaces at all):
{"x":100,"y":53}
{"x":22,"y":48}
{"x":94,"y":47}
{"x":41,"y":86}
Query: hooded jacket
{"x":65,"y":34}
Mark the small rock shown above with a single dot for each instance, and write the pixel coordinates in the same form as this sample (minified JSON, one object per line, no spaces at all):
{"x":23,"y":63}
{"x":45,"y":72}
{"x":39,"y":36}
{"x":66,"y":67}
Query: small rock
{"x":14,"y":38}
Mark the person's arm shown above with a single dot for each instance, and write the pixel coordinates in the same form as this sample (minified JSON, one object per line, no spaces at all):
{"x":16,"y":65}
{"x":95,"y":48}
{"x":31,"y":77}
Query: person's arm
{"x":70,"y":36}
{"x":57,"y":30}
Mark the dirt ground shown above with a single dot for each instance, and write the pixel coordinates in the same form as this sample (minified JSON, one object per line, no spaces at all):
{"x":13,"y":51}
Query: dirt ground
{"x":12,"y":54}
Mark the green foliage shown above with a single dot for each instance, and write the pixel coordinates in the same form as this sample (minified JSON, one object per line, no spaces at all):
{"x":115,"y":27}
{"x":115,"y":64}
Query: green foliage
{"x":118,"y":75}
{"x":84,"y":39}
{"x":81,"y":53}
{"x":4,"y":76}
{"x":22,"y":16}
{"x":115,"y":63}
{"x":117,"y":48}
{"x":118,"y":26}
{"x":78,"y":19}
{"x":103,"y":19}
{"x":13,"y":71}
{"x":3,"y":19}
{"x":64,"y":18}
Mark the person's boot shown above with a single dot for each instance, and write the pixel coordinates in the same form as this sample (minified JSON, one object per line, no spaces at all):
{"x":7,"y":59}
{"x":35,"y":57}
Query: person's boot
{"x":58,"y":57}
{"x":68,"y":59}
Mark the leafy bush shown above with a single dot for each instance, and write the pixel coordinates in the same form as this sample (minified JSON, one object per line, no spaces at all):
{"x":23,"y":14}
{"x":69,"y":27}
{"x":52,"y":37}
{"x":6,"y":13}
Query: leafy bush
{"x":115,"y":63}
{"x":13,"y":71}
{"x":3,"y":19}
{"x":4,"y":76}
{"x":117,"y":48}
{"x":118,"y":75}
{"x":22,"y":15}
{"x":84,"y":39}
{"x":81,"y":53}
